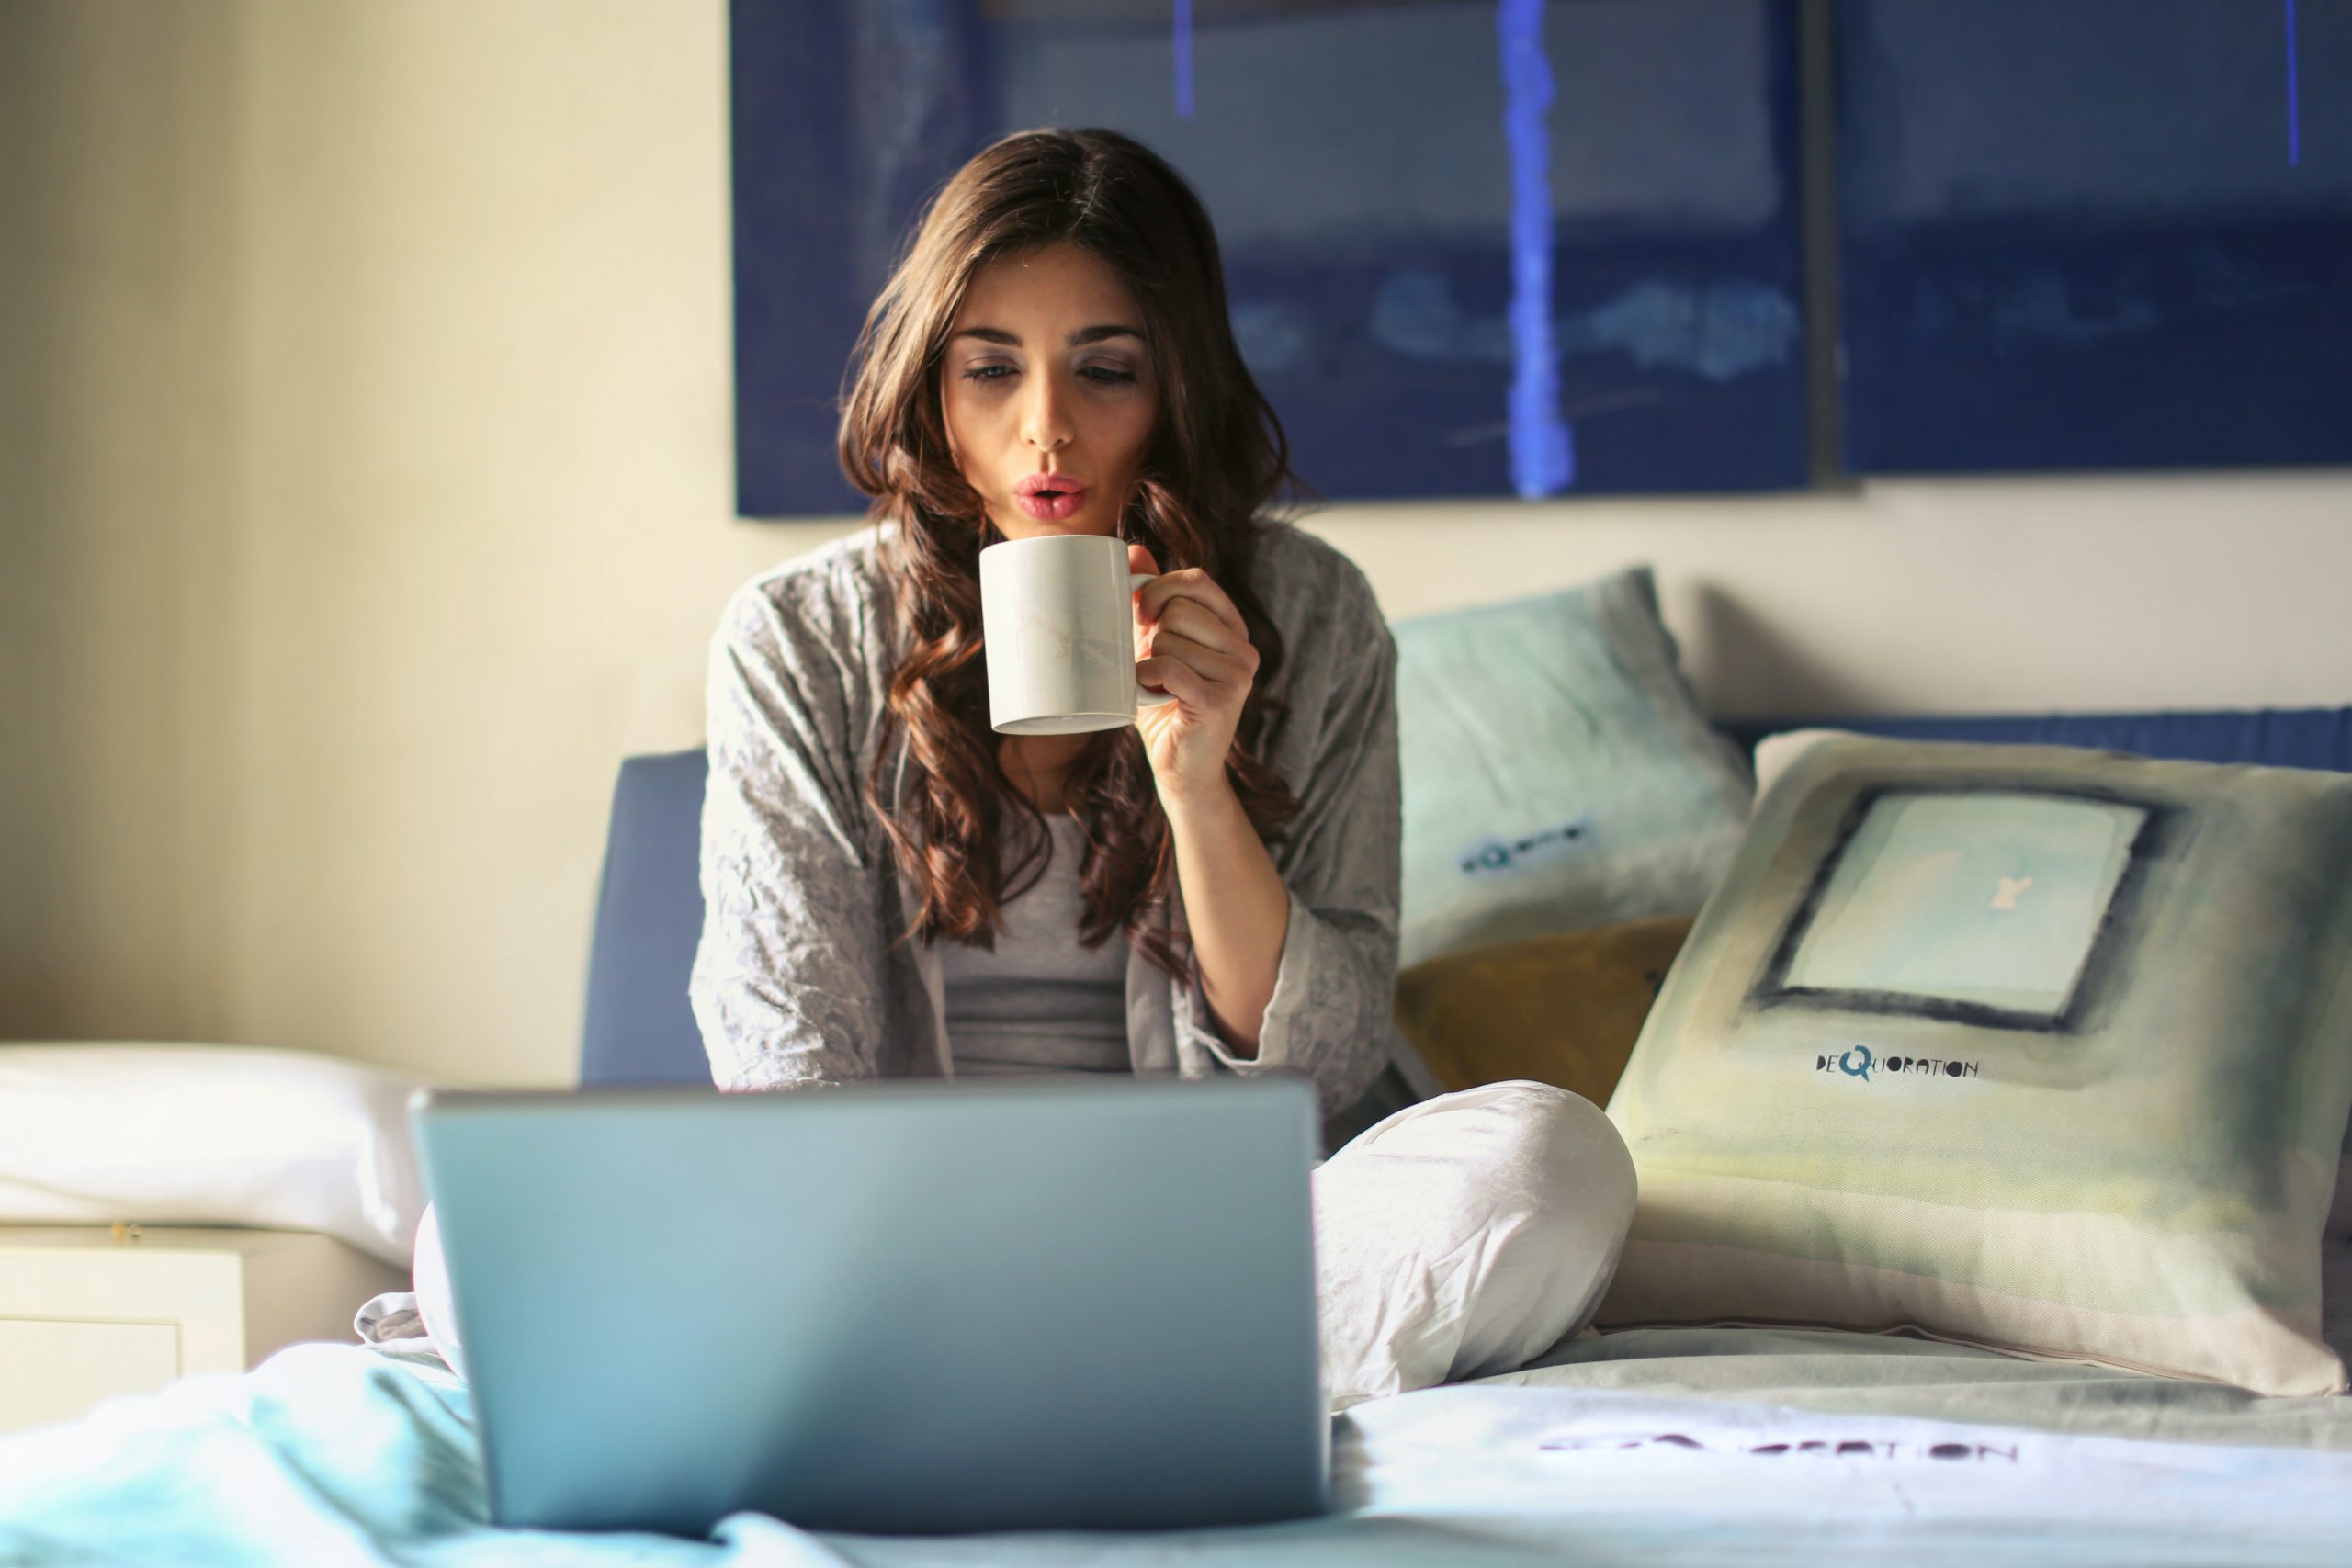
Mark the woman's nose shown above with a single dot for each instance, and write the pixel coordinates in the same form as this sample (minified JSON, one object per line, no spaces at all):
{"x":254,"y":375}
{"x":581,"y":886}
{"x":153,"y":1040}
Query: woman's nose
{"x":1044,"y":419}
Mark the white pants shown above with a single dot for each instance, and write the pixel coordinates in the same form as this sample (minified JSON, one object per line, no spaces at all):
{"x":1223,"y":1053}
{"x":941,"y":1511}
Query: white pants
{"x":1464,"y":1235}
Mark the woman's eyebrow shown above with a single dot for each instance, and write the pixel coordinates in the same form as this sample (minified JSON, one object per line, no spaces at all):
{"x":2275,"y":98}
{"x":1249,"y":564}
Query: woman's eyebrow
{"x":1078,"y":339}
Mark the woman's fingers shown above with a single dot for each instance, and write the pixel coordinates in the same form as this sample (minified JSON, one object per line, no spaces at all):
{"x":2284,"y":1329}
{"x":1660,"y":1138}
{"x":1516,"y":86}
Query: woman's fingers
{"x":1191,"y":585}
{"x":1215,"y":665}
{"x":1177,"y":679}
{"x":1191,"y":619}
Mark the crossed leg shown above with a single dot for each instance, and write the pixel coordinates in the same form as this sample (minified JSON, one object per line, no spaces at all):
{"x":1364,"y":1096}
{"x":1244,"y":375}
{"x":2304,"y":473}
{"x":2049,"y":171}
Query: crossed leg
{"x":1464,"y":1236}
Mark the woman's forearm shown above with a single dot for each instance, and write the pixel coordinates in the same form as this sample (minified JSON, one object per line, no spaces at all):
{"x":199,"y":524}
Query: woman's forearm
{"x":1237,"y":907}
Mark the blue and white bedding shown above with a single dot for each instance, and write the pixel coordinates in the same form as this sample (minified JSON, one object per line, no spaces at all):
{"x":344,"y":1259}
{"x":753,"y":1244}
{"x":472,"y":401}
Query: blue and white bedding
{"x":1661,"y":1448}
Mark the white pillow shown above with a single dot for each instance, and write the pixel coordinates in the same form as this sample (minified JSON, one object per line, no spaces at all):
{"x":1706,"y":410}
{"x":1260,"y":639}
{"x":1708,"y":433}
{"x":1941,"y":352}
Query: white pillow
{"x":207,"y":1134}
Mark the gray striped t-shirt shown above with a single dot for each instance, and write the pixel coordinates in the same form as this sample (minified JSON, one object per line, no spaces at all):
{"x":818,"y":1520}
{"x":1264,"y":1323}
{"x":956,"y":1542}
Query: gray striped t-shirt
{"x":1041,"y":1002}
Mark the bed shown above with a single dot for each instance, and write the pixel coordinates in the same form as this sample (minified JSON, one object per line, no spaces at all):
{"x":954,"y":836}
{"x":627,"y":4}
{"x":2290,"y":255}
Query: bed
{"x":1747,"y":1446}
{"x":1684,"y":1447}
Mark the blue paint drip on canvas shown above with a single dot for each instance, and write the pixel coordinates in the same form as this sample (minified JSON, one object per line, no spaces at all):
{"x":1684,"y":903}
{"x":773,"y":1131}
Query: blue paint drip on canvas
{"x":1541,"y":460}
{"x":1182,"y":48}
{"x":2294,"y":107}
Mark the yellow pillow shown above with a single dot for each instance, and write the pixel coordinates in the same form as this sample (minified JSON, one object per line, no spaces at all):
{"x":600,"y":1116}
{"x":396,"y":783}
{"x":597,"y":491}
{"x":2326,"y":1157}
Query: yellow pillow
{"x":1562,"y":1009}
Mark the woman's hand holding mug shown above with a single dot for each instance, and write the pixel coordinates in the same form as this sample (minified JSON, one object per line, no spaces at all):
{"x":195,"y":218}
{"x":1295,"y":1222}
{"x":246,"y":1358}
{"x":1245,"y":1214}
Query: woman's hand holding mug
{"x":1195,"y":646}
{"x":1084,"y":632}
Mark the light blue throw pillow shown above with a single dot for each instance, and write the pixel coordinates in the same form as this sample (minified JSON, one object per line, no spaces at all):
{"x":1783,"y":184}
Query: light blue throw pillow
{"x":1558,"y":773}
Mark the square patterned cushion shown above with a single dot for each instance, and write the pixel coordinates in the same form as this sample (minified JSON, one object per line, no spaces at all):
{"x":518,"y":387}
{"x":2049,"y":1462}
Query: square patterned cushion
{"x":1558,"y":773}
{"x":2029,"y":1047}
{"x":2291,"y":746}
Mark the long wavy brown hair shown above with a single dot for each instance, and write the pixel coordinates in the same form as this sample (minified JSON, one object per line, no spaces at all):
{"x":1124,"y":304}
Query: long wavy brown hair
{"x":1216,"y":464}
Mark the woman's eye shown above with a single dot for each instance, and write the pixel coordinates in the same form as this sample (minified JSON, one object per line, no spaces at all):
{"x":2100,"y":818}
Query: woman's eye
{"x":1101,"y":374}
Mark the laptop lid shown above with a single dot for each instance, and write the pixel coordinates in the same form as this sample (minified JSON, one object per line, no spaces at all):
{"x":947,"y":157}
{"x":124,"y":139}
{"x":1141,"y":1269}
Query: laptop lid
{"x":899,"y":1307}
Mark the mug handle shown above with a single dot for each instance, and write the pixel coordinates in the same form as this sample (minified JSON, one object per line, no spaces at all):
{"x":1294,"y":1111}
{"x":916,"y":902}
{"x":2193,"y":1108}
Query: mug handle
{"x":1145,"y":697}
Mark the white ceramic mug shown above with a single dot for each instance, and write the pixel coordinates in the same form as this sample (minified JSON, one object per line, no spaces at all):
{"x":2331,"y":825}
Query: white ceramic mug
{"x":1059,"y":628}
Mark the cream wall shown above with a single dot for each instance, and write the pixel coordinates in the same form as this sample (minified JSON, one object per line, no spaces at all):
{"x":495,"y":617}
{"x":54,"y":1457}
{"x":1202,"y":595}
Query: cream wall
{"x":365,"y":496}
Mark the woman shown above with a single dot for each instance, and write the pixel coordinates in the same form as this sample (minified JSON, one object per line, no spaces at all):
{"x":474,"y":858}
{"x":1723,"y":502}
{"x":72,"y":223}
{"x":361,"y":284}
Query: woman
{"x":893,"y":890}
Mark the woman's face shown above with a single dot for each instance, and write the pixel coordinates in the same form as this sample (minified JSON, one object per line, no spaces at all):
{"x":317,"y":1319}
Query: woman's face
{"x":1048,"y":390}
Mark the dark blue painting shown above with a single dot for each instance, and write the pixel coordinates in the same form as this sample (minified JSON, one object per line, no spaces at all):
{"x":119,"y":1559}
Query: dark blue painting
{"x":2095,"y":233}
{"x":1473,"y":247}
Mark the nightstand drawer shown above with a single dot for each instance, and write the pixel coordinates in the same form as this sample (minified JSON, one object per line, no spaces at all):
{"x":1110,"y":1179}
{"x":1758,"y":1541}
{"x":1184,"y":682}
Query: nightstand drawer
{"x":88,"y":1309}
{"x":54,"y":1372}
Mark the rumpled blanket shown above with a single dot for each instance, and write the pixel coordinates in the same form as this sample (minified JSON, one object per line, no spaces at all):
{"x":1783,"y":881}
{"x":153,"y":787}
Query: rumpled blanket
{"x":334,"y":1455}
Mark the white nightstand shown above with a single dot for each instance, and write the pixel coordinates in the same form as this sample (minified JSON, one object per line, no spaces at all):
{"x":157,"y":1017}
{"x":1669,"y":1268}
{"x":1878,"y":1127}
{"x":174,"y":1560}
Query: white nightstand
{"x":86,"y":1312}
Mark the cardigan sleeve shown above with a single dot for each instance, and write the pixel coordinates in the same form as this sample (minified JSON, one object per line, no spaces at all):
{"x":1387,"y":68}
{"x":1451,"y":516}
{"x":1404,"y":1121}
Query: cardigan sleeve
{"x":787,"y":980}
{"x":1333,"y":1007}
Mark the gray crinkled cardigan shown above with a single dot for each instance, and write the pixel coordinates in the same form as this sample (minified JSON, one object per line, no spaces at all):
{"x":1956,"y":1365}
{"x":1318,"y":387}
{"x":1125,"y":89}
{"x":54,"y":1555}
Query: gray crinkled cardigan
{"x":796,"y":982}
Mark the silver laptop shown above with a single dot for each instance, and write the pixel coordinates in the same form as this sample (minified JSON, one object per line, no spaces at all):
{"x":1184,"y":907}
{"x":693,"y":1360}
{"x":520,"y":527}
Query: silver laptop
{"x":893,"y":1308}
